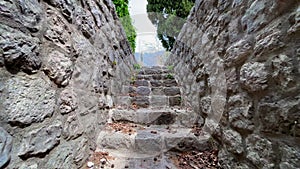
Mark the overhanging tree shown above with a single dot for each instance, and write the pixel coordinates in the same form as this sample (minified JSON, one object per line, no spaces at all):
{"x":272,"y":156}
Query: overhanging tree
{"x":169,"y":17}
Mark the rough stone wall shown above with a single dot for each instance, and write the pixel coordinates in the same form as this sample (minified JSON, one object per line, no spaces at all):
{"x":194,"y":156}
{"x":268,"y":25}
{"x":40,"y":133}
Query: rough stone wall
{"x":238,"y":64}
{"x":61,"y":63}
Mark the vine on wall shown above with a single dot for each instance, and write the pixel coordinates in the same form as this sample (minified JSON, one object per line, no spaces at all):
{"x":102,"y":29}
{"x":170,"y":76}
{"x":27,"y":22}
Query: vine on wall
{"x":123,"y":13}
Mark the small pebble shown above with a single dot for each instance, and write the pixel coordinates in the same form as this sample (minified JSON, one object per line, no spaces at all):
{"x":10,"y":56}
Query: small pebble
{"x":90,"y":164}
{"x":112,"y":166}
{"x":103,"y":161}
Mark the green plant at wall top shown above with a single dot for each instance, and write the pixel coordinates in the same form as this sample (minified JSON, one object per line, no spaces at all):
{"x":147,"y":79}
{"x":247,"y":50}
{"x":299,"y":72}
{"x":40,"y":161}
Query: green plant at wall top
{"x":123,"y":14}
{"x":170,"y":67}
{"x":137,"y":66}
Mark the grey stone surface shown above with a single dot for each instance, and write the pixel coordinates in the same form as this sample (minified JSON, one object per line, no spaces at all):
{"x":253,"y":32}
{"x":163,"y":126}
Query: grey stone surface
{"x":141,"y":83}
{"x":20,"y":50}
{"x":290,"y":156}
{"x":280,"y":116}
{"x":143,"y":91}
{"x":72,"y":127}
{"x":149,"y":143}
{"x":144,"y":116}
{"x":246,"y":49}
{"x":115,"y":140}
{"x":40,"y":141}
{"x":170,"y":82}
{"x":59,"y":61}
{"x":67,"y":101}
{"x":228,"y":161}
{"x":260,"y":151}
{"x":243,"y":56}
{"x":159,"y":101}
{"x":61,"y":159}
{"x":238,"y":52}
{"x":141,"y":101}
{"x":172,"y":91}
{"x":59,"y":68}
{"x":234,"y":141}
{"x":122,"y":100}
{"x":175,"y":100}
{"x":254,"y":76}
{"x":157,"y":91}
{"x":30,"y":99}
{"x":5,"y":147}
{"x":156,"y":83}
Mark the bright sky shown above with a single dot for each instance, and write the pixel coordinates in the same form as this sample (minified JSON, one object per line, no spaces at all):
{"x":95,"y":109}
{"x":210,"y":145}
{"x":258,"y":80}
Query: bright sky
{"x":146,"y":41}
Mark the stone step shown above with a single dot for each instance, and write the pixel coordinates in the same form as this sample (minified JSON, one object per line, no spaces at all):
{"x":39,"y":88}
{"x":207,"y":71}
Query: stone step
{"x":146,"y":90}
{"x":160,"y":101}
{"x":113,"y":160}
{"x":163,"y":76}
{"x":153,"y":70}
{"x":163,"y":83}
{"x":147,"y":116}
{"x":140,"y":141}
{"x":154,"y":83}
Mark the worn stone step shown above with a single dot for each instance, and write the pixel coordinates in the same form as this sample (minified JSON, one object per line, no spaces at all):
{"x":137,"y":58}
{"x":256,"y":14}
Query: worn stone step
{"x":163,"y":83}
{"x":154,"y":83}
{"x":165,"y":116}
{"x":123,"y":101}
{"x":140,"y":82}
{"x":144,"y":116}
{"x":144,"y":141}
{"x":153,"y":70}
{"x":163,"y":76}
{"x":114,"y":160}
{"x":140,"y":101}
{"x":146,"y":91}
{"x":162,"y":89}
{"x":152,"y":101}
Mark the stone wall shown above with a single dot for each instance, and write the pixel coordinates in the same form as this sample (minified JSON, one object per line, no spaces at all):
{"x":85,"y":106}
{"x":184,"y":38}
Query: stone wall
{"x":238,"y":64}
{"x":61,"y":63}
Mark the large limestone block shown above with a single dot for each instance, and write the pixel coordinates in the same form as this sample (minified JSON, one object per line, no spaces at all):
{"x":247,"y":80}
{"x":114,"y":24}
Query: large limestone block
{"x":29,"y":100}
{"x":254,"y":76}
{"x":5,"y":147}
{"x":40,"y":141}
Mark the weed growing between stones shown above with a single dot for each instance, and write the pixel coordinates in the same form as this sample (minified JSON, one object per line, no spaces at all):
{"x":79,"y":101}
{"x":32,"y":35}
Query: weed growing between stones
{"x":170,"y":76}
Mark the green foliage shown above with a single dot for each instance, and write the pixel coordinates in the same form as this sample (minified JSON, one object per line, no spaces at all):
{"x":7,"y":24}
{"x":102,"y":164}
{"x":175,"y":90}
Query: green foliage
{"x":168,"y":26}
{"x":123,"y":13}
{"x":180,"y":99}
{"x":170,"y":76}
{"x":170,"y":67}
{"x":132,"y":79}
{"x":136,"y":66}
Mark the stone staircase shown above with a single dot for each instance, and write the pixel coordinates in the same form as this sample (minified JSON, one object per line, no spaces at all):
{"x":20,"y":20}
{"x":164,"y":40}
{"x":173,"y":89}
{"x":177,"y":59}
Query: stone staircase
{"x":148,"y":122}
